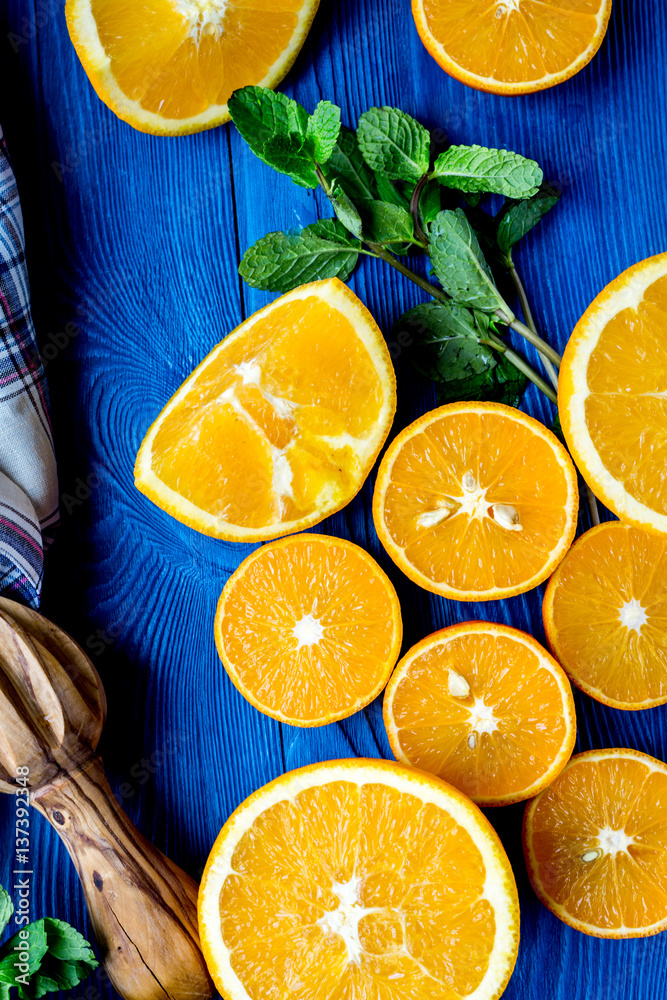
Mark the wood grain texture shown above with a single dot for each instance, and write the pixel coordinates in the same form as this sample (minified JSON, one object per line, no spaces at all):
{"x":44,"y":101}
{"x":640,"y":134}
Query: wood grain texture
{"x":134,"y":241}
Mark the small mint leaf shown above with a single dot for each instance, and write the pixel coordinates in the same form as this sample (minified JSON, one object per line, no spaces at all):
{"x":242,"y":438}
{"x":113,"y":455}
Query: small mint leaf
{"x":332,"y":230}
{"x":275,"y":127}
{"x":347,"y":165}
{"x":280,"y":262}
{"x":446,"y":345}
{"x":345,"y":209}
{"x":286,"y":154}
{"x":518,"y":219}
{"x":6,"y":908}
{"x":322,"y":131}
{"x":430,"y":203}
{"x":389,"y":193}
{"x":386,"y":223}
{"x":393,"y":143}
{"x":478,"y":170}
{"x":460,"y":265}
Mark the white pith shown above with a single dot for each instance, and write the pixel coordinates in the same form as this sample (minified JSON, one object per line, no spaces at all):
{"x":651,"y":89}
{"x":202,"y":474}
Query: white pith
{"x":447,"y":507}
{"x":85,"y":35}
{"x":633,"y":615}
{"x":505,"y":8}
{"x":612,"y":841}
{"x":308,"y":631}
{"x":249,"y":373}
{"x":627,"y":296}
{"x":482,"y":718}
{"x":498,"y":888}
{"x":471,"y":503}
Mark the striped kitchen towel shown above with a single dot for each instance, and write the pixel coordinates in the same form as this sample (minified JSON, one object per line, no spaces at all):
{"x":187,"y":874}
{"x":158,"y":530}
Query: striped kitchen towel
{"x":28,"y":481}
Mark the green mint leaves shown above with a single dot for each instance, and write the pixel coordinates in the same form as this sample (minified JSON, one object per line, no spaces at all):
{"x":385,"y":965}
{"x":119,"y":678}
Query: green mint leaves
{"x":283,"y":135}
{"x":450,"y":345}
{"x":460,"y":266}
{"x":391,"y":198}
{"x":394,"y":144}
{"x":43,"y":957}
{"x":517,"y":220}
{"x":282,"y":261}
{"x":478,"y":170}
{"x":322,"y":131}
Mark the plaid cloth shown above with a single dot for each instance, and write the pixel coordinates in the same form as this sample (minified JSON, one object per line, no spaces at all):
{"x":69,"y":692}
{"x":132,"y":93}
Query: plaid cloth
{"x":28,"y":482}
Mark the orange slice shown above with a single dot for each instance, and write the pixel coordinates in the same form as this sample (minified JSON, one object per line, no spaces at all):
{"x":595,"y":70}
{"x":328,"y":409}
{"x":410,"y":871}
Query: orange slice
{"x":595,"y":843}
{"x":484,"y":707}
{"x":358,"y":879}
{"x":309,"y":629}
{"x":512,"y":46}
{"x":605,"y":615}
{"x":279,"y":425}
{"x":170,"y":66}
{"x":476,"y":501}
{"x":612,"y":395}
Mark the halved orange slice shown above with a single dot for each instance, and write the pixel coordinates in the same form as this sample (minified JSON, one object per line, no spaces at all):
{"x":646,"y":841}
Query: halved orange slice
{"x":280,"y":424}
{"x":605,"y":615}
{"x":595,"y":843}
{"x":309,"y":629}
{"x":484,"y":707}
{"x":358,"y":879}
{"x":170,"y":66}
{"x":476,"y":501}
{"x":512,"y":46}
{"x":612,"y":395}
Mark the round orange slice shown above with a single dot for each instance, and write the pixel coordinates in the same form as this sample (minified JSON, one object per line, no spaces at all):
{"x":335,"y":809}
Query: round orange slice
{"x":511,"y":46}
{"x":612,"y":395}
{"x":170,"y":66}
{"x":280,"y":424}
{"x":476,"y":501}
{"x":484,"y":707}
{"x":605,"y":615}
{"x":358,"y":879}
{"x":309,"y":629}
{"x":595,"y":843}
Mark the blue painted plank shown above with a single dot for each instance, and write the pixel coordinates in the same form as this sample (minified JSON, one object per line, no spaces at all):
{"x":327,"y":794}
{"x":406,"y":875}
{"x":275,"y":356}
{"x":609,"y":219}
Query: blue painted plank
{"x":133,"y":245}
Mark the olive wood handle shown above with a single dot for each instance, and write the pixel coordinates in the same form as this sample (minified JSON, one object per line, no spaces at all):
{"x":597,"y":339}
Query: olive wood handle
{"x":142,"y":906}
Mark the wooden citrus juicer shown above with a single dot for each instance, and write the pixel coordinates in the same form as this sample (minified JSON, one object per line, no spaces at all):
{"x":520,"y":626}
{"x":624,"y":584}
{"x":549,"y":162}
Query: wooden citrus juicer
{"x":142,"y":906}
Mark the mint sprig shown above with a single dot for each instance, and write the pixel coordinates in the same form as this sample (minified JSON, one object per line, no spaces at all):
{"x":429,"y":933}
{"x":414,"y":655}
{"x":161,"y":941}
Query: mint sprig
{"x":390,"y":199}
{"x":57,"y":956}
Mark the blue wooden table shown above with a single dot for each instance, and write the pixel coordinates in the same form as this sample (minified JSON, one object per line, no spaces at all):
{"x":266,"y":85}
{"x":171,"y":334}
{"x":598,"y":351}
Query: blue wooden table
{"x":133,"y":246}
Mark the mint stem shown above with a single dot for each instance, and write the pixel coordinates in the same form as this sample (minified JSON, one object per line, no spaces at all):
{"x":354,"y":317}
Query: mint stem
{"x":530,"y":322}
{"x":591,"y":499}
{"x":523,"y":367}
{"x":414,"y":209}
{"x":532,"y":338}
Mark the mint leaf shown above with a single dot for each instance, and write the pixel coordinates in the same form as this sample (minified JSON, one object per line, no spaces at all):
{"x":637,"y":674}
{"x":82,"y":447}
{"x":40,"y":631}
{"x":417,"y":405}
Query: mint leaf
{"x":344,"y":209}
{"x":517,"y":220}
{"x":275,"y":128}
{"x":476,"y":169}
{"x":6,"y":908}
{"x":459,"y":263}
{"x":32,"y":940}
{"x":59,"y":959}
{"x":447,"y":347}
{"x":333,"y":230}
{"x":281,"y":261}
{"x":322,"y":131}
{"x":430,"y":203}
{"x":393,"y":143}
{"x":347,"y":165}
{"x":389,"y":192}
{"x":386,"y":223}
{"x":285,"y":153}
